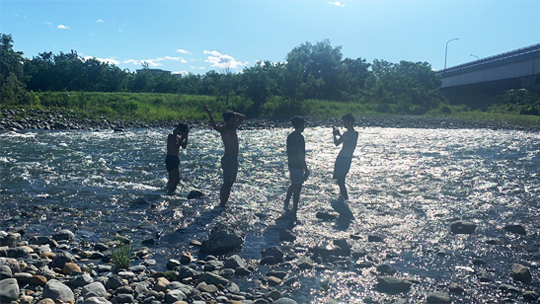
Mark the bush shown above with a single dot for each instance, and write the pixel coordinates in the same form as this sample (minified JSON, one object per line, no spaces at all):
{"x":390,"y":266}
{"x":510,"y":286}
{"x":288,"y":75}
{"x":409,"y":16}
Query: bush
{"x":121,"y":255}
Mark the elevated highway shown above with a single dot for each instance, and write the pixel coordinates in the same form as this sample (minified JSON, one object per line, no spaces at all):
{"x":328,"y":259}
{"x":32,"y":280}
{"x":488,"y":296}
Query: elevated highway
{"x":515,"y":69}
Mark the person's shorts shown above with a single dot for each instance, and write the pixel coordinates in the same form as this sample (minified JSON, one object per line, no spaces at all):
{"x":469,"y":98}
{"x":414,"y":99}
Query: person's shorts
{"x":229,"y":164}
{"x":341,"y":167}
{"x":297,"y":176}
{"x":172,"y":162}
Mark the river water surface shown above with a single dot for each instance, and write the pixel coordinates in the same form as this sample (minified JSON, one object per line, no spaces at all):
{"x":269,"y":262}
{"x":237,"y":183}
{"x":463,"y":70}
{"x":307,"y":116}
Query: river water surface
{"x":405,"y":185}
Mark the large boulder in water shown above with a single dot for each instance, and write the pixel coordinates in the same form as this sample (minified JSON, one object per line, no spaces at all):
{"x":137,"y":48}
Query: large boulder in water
{"x":223,"y":238}
{"x":462,"y":227}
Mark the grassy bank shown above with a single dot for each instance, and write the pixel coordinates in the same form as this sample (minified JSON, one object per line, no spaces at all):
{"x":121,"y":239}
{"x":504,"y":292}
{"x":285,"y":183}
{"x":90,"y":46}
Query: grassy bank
{"x":150,"y":107}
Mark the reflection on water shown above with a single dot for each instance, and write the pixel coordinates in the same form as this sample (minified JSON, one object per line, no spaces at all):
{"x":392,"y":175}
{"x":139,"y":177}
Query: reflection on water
{"x":406,"y":185}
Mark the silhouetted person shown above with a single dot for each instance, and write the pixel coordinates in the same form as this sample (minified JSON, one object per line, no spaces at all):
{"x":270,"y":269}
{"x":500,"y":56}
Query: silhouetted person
{"x":229,"y":161}
{"x":296,"y":154}
{"x":343,"y":161}
{"x":178,"y":138}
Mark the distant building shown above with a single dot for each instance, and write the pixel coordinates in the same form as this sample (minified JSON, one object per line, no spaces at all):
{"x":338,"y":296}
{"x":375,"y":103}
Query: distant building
{"x":154,"y":71}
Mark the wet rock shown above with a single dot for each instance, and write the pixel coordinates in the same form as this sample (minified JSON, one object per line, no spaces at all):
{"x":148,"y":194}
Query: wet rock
{"x":13,"y":264}
{"x":175,"y":295}
{"x":56,"y":290}
{"x":531,"y":296}
{"x":438,"y":297}
{"x":392,"y":285}
{"x":40,"y":240}
{"x":234,"y":262}
{"x":274,"y":252}
{"x":509,"y":288}
{"x":23,"y":278}
{"x":63,"y":235}
{"x":5,"y":272}
{"x":358,"y":251}
{"x":223,"y":239}
{"x":95,"y":300}
{"x":185,"y":258}
{"x":161,"y":284}
{"x":9,"y":290}
{"x":277,"y":273}
{"x":520,"y":273}
{"x":287,"y":236}
{"x":483,"y":275}
{"x":18,"y":253}
{"x":70,"y":267}
{"x":273,"y":281}
{"x":204,"y":287}
{"x":386,"y":269}
{"x":10,"y":240}
{"x":363,"y":264}
{"x":194,"y":194}
{"x":114,"y":282}
{"x":242,"y":271}
{"x":304,"y":263}
{"x":462,"y":227}
{"x":284,"y":301}
{"x":124,"y":298}
{"x":327,"y":215}
{"x":61,"y":259}
{"x":455,"y":288}
{"x":187,"y":272}
{"x":212,"y":278}
{"x":344,"y":245}
{"x":374,"y":238}
{"x":80,"y":280}
{"x":227,"y":273}
{"x":172,"y":264}
{"x":518,"y":229}
{"x":95,"y":288}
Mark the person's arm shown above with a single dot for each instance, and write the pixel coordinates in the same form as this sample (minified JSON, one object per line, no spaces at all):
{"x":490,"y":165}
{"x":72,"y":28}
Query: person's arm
{"x":338,"y":138}
{"x":239,"y":118}
{"x":302,"y":153}
{"x":212,"y":121}
{"x":184,"y":140}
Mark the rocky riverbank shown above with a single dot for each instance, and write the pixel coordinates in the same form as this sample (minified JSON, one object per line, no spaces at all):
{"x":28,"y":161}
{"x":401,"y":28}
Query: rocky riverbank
{"x":21,"y":119}
{"x":60,"y":268}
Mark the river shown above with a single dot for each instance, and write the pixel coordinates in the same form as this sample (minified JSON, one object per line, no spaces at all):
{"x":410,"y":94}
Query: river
{"x":406,"y":186}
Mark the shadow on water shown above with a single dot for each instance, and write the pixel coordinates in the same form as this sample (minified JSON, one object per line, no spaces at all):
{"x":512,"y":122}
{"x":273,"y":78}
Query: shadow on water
{"x":346,"y":217}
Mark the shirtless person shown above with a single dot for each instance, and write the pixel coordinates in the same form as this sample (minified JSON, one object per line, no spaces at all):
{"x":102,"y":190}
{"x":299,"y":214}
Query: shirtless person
{"x":343,"y":161}
{"x":229,"y":161}
{"x":178,"y":138}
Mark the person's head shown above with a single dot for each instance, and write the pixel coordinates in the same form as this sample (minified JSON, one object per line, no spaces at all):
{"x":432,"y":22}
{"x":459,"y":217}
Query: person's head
{"x":229,"y":117}
{"x":348,"y":120}
{"x":182,"y":128}
{"x":298,"y":123}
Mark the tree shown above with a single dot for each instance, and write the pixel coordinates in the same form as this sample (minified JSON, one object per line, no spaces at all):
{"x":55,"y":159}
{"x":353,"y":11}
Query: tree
{"x":11,"y":73}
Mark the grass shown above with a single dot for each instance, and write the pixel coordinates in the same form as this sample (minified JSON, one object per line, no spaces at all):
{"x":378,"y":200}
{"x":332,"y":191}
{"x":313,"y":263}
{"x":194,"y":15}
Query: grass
{"x":121,"y":255}
{"x":148,"y":107}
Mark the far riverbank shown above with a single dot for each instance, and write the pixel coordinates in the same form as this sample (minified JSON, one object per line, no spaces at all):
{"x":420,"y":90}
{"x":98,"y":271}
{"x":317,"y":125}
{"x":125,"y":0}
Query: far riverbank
{"x":28,"y":119}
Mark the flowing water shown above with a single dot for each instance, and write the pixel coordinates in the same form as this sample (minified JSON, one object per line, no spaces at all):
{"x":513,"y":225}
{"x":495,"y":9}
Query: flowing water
{"x":405,"y":186}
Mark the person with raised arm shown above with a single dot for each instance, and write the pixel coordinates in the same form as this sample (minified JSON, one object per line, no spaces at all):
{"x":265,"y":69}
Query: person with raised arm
{"x":344,"y":159}
{"x":229,"y":161}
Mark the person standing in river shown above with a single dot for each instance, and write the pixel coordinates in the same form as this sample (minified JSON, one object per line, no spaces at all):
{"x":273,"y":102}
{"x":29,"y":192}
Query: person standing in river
{"x":298,"y":170}
{"x":178,"y":138}
{"x":344,"y":159}
{"x":229,"y":161}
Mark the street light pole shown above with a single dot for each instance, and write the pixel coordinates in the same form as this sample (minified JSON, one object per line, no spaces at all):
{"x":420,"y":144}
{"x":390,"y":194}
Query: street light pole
{"x":477,"y":58}
{"x":446,"y":50}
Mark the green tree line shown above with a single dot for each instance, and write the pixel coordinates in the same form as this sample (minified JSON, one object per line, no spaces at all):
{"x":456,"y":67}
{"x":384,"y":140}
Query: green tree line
{"x":310,"y":72}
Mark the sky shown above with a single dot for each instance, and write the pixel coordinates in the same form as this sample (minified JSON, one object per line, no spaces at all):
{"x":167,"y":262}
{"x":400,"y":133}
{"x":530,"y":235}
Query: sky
{"x":189,"y":36}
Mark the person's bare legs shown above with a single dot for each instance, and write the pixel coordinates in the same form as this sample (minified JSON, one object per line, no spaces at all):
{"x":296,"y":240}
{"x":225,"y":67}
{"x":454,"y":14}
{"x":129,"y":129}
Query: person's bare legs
{"x":342,"y":188}
{"x":224,"y":193}
{"x":288,"y":197}
{"x":174,"y":180}
{"x":296,"y":195}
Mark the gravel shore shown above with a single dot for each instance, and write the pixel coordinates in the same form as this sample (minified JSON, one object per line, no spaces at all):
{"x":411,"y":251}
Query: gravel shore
{"x":21,"y":119}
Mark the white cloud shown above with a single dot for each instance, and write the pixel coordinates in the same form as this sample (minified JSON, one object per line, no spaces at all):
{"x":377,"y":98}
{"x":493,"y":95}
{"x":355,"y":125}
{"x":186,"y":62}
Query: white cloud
{"x":202,"y":68}
{"x":99,"y":21}
{"x":183,"y":51}
{"x":47,"y":22}
{"x":213,"y":53}
{"x":104,"y":60}
{"x":337,"y":3}
{"x":16,"y":15}
{"x":181,"y":72}
{"x":62,"y":27}
{"x":150,"y":62}
{"x":223,"y":61}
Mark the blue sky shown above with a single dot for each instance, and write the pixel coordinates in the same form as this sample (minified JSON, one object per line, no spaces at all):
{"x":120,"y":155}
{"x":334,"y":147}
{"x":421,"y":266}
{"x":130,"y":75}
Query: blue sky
{"x":198,"y":36}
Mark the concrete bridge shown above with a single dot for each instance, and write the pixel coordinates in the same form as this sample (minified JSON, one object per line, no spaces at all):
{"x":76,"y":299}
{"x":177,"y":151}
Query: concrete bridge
{"x":516,"y":69}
